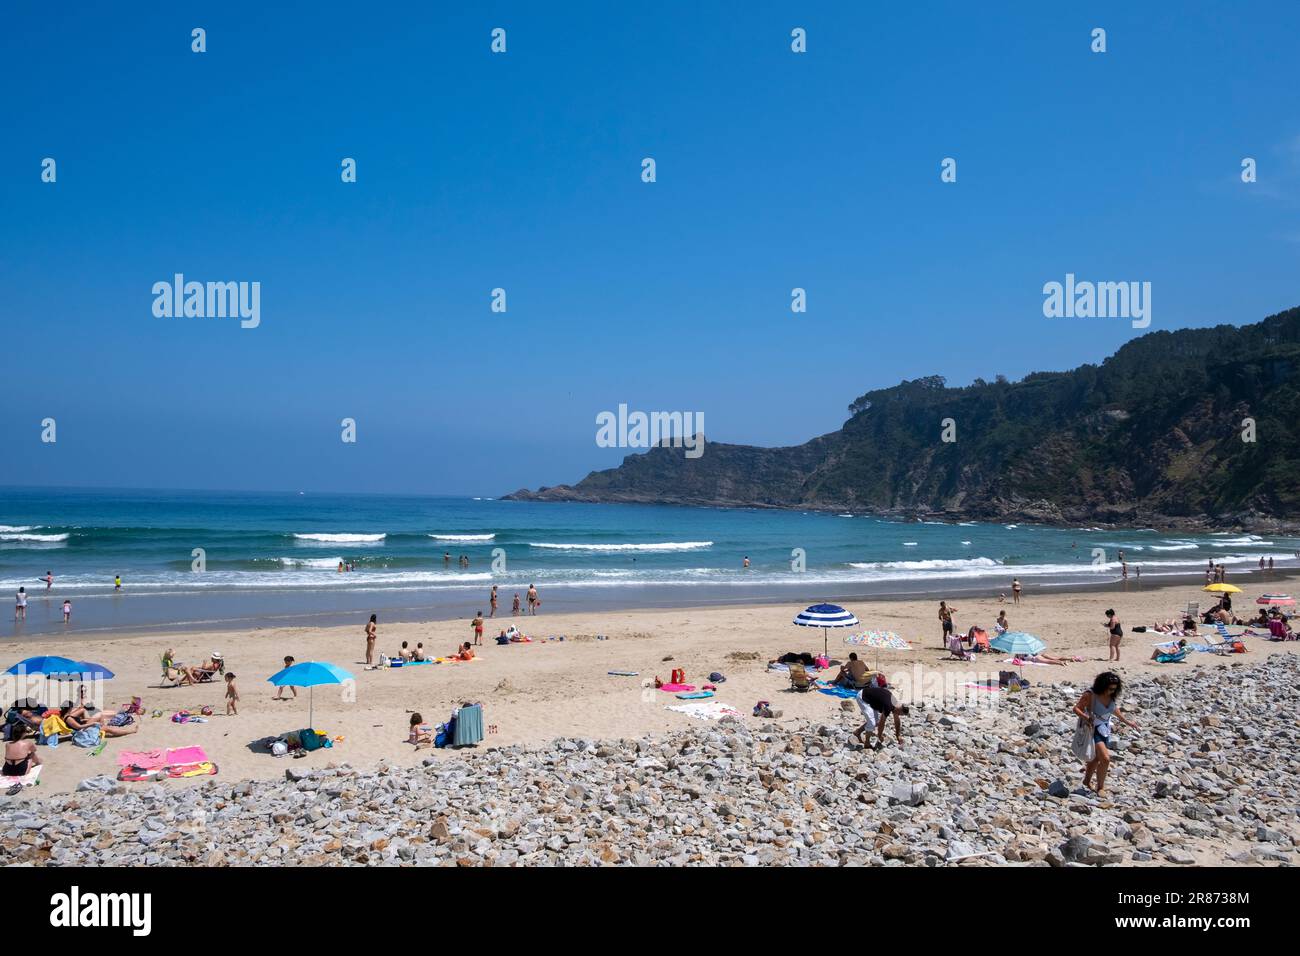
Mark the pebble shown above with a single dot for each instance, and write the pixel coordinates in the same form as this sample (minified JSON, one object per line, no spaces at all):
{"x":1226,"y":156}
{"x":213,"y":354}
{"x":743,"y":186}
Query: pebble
{"x":973,"y":787}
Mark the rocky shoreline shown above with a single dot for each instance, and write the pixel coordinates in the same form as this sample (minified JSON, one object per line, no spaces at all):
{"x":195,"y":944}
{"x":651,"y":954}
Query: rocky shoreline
{"x":1213,"y":776}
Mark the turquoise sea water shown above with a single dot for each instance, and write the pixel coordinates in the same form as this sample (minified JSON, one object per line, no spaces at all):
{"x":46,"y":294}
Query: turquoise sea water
{"x":273,"y":558}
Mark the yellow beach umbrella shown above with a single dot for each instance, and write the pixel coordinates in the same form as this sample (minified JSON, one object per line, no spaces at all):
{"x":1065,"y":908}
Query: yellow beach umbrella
{"x":1222,"y":588}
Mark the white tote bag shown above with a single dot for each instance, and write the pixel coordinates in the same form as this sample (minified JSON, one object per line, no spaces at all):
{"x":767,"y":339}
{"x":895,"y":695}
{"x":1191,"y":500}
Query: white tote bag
{"x":1082,"y":745}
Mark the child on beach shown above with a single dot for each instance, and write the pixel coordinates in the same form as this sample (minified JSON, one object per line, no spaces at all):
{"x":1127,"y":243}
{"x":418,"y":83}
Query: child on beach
{"x":478,"y":629}
{"x":421,"y":733}
{"x":288,"y":662}
{"x":232,"y":696}
{"x":405,"y":653}
{"x":466,"y":653}
{"x":20,"y":605}
{"x":67,"y":611}
{"x":515,"y":607}
{"x":419,"y":652}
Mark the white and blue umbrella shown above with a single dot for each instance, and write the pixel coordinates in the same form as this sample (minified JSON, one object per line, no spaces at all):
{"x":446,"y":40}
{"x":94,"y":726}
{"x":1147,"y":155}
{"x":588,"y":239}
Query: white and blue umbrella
{"x":1017,"y":643}
{"x":825,"y":616}
{"x":308,"y":674}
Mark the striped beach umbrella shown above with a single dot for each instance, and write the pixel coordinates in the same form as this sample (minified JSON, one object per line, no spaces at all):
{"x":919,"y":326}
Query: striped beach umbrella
{"x":1281,"y":600}
{"x":825,"y":616}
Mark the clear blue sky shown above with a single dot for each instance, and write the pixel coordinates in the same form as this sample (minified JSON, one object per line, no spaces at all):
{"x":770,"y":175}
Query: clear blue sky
{"x":775,"y":170}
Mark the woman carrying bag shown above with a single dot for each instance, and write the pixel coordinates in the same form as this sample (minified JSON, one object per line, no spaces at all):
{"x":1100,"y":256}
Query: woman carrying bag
{"x":1091,"y":744}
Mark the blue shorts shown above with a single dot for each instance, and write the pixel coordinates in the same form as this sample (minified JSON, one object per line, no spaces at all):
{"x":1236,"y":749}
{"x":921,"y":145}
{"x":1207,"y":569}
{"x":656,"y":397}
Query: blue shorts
{"x":1099,"y":738}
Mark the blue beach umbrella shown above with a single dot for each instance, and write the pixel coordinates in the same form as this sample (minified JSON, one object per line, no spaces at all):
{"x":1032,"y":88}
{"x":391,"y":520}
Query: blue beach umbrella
{"x":48,"y":666}
{"x":308,"y":674}
{"x":825,"y":616}
{"x":1017,"y":643}
{"x":94,"y":671}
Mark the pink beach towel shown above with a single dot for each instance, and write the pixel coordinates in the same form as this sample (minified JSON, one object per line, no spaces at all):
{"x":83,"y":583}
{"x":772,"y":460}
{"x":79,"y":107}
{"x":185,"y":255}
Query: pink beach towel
{"x":674,"y":688}
{"x":144,"y":759}
{"x":186,"y":755}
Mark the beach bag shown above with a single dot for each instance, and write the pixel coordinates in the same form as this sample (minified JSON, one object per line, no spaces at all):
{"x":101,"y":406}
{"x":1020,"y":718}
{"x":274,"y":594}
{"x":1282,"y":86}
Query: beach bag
{"x":1082,"y":745}
{"x":1238,"y":647}
{"x":311,"y":740}
{"x":279,"y":748}
{"x":87,"y":737}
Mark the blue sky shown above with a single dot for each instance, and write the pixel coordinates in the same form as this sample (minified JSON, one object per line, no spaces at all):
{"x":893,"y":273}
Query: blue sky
{"x":522,"y":171}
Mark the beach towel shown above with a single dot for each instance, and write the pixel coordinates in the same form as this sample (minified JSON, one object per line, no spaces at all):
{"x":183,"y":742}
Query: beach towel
{"x":623,"y":673}
{"x":705,"y":710}
{"x":674,"y":688}
{"x":1021,"y":662}
{"x":1170,"y":658}
{"x":697,"y":695}
{"x":469,"y":726}
{"x":144,"y":759}
{"x":205,"y":769}
{"x":186,"y":755}
{"x":29,"y":779}
{"x":835,"y":690}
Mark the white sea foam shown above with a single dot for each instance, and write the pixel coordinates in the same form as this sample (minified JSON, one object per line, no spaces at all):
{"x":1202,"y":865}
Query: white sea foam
{"x":10,"y":528}
{"x":662,"y":546}
{"x":936,"y":564}
{"x":325,"y":564}
{"x":34,"y":538}
{"x":341,"y":538}
{"x":463,"y":537}
{"x":909,"y":544}
{"x":1175,"y":546}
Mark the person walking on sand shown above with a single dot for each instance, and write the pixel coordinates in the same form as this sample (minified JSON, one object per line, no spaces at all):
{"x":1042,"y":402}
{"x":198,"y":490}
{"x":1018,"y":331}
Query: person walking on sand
{"x":477,"y":624}
{"x":288,"y":662}
{"x":1115,"y":633}
{"x":492,"y":602}
{"x":1015,"y":590}
{"x":372,"y":631}
{"x":20,"y":605}
{"x":1098,"y":707}
{"x":514,"y":608}
{"x":532,"y":599}
{"x":945,"y":620}
{"x":232,"y":696}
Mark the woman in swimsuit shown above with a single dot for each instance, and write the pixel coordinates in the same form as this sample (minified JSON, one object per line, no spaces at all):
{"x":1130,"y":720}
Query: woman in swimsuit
{"x":372,"y":631}
{"x":1098,"y":707}
{"x":20,"y":753}
{"x":1116,"y":632}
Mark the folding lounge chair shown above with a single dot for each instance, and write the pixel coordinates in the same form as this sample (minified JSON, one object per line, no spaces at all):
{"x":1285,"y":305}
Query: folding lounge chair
{"x":800,"y":679}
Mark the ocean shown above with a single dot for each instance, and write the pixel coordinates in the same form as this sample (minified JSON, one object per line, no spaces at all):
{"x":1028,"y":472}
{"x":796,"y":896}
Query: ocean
{"x":272,"y":559}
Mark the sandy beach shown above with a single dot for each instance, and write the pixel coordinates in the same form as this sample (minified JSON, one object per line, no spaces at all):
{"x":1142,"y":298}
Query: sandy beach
{"x":535,"y":692}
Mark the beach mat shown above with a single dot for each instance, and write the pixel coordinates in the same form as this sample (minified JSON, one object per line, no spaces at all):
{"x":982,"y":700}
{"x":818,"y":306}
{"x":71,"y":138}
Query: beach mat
{"x":697,"y":695}
{"x":674,"y":688}
{"x":705,"y":710}
{"x":835,"y":690}
{"x":29,"y":779}
{"x":623,"y":673}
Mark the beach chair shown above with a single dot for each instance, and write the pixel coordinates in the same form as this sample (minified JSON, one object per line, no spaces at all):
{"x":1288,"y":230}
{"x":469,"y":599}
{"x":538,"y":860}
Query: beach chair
{"x":800,"y":679}
{"x":168,"y":667}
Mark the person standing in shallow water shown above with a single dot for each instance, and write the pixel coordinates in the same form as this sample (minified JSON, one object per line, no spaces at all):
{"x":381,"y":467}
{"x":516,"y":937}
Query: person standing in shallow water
{"x":1099,"y":706}
{"x":492,"y":602}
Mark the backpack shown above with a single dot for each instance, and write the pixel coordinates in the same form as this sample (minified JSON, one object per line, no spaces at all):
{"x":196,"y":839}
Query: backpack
{"x":311,"y":740}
